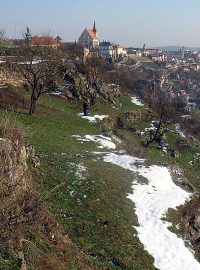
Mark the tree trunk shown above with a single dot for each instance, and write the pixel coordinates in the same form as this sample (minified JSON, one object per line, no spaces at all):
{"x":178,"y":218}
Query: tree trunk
{"x":32,"y":104}
{"x":156,"y":137}
{"x":152,"y":138}
{"x":149,"y":142}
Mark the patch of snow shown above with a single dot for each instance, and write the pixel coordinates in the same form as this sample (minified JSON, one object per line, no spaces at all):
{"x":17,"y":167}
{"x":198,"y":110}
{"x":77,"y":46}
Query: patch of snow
{"x":102,"y":141}
{"x":34,"y":62}
{"x":152,"y":200}
{"x":186,"y":116}
{"x":103,"y":152}
{"x":100,"y":153}
{"x":81,"y":139}
{"x":80,"y":171}
{"x":55,"y":93}
{"x":72,"y":193}
{"x":116,"y":139}
{"x":178,"y":130}
{"x":196,"y":158}
{"x":93,"y":119}
{"x":152,"y":127}
{"x":79,"y":201}
{"x":136,"y":101}
{"x":165,"y":149}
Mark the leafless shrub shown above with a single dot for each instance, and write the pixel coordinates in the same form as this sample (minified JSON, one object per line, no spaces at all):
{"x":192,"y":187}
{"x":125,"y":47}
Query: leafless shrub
{"x":127,"y":119}
{"x":164,"y":113}
{"x":107,"y":124}
{"x":2,"y":37}
{"x":182,"y":144}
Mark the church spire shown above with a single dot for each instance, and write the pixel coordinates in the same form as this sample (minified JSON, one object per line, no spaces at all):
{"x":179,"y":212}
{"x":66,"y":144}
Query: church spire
{"x":94,"y":28}
{"x":27,"y":35}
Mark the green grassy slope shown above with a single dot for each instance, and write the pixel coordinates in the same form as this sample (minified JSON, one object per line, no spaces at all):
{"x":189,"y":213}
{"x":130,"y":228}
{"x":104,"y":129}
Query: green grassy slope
{"x":98,"y":217}
{"x":95,"y":212}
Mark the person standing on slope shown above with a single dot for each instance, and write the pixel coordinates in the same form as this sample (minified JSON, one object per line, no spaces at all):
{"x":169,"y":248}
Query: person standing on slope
{"x":86,"y":107}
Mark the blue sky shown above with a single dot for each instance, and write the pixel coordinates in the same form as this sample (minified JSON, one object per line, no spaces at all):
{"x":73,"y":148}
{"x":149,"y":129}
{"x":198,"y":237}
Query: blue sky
{"x":129,"y":22}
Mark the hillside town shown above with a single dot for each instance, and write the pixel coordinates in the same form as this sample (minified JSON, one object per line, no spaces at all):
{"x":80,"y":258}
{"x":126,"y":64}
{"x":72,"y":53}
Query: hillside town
{"x":174,"y":66}
{"x":99,"y":154}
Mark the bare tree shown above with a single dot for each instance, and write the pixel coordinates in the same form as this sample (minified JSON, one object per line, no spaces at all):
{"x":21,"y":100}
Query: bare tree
{"x":38,"y":66}
{"x":93,"y":66}
{"x":3,"y":39}
{"x":165,"y":115}
{"x":2,"y":34}
{"x":73,"y":50}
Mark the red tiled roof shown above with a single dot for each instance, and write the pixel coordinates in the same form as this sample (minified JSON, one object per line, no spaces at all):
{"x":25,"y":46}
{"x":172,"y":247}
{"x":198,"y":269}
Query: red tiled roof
{"x":91,"y":33}
{"x":151,"y":51}
{"x":43,"y":41}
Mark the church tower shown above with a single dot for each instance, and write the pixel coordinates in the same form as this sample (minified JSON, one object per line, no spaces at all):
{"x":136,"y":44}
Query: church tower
{"x":89,"y":37}
{"x":95,"y":29}
{"x":28,"y":36}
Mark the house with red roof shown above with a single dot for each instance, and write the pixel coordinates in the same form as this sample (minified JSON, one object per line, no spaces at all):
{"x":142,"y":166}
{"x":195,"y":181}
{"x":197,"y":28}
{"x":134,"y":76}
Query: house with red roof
{"x":44,"y":41}
{"x":89,"y":38}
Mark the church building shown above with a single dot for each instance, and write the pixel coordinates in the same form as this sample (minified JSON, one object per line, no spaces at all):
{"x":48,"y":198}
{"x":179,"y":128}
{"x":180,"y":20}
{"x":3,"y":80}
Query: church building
{"x":89,"y":38}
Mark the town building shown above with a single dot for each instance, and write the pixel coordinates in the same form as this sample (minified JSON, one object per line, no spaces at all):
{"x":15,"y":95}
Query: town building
{"x":106,"y":50}
{"x":158,"y":57}
{"x":44,"y":41}
{"x":36,"y":40}
{"x":109,"y":50}
{"x":89,"y":38}
{"x":120,"y":51}
{"x":90,"y":41}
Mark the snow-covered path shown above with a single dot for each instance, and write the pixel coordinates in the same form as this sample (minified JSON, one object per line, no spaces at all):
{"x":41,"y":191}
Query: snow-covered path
{"x":152,"y":200}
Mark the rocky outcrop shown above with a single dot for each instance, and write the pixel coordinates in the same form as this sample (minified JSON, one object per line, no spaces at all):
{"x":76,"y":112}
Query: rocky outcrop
{"x":16,"y":183}
{"x":187,"y":221}
{"x":194,"y":227}
{"x":80,"y":86}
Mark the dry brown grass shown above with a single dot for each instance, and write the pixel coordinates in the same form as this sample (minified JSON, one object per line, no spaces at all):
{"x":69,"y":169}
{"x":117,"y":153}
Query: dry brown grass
{"x":12,"y":100}
{"x":9,"y":130}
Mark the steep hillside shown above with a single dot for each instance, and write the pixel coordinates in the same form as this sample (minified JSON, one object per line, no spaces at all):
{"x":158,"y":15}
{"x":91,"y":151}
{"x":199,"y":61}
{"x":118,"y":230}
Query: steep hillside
{"x":91,"y":222}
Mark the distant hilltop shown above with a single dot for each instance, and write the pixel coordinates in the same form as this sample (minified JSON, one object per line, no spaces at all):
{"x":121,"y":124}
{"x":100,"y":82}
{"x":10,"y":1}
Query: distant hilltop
{"x":176,"y":48}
